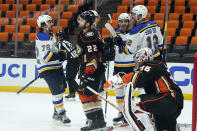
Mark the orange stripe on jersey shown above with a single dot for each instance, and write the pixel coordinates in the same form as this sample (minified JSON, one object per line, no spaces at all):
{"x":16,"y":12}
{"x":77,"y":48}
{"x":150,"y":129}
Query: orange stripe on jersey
{"x":155,"y":99}
{"x":127,"y":77}
{"x":85,"y":98}
{"x":162,"y":86}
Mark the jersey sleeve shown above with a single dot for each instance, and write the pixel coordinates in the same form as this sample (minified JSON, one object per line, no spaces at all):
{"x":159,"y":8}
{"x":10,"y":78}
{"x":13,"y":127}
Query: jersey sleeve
{"x":132,"y":42}
{"x":160,"y":39}
{"x":47,"y":53}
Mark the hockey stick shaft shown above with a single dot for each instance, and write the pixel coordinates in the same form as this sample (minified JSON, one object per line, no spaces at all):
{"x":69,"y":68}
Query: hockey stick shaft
{"x":93,"y":91}
{"x":108,"y":64}
{"x":165,"y":31}
{"x":27,"y":85}
{"x":135,"y":122}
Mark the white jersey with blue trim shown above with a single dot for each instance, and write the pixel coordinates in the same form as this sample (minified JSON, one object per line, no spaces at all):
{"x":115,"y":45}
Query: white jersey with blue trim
{"x":124,"y":58}
{"x":149,"y":35}
{"x":45,"y":51}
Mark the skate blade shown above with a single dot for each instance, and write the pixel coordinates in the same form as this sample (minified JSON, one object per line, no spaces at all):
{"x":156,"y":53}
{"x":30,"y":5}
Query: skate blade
{"x":119,"y":123}
{"x":59,"y":123}
{"x":69,"y":99}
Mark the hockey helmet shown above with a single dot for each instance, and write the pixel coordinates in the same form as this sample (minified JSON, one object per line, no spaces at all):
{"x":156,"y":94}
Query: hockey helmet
{"x":140,"y":10}
{"x":124,"y":16}
{"x":43,"y":19}
{"x":94,"y":12}
{"x":88,"y":16}
{"x":143,"y":55}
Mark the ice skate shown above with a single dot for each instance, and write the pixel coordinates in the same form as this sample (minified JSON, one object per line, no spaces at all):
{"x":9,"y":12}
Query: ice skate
{"x":61,"y":117}
{"x":70,"y":97}
{"x":119,"y":119}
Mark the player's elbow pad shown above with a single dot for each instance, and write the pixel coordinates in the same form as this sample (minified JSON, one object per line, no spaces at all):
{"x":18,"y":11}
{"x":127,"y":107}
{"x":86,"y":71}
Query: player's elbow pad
{"x":90,"y":69}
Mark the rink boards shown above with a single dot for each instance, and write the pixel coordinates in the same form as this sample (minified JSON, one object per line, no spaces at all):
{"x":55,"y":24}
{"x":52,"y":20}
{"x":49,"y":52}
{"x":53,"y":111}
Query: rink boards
{"x":16,"y":73}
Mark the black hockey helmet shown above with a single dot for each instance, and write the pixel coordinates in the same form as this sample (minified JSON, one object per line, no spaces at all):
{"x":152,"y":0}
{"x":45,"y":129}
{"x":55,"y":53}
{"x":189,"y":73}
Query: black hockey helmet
{"x":88,"y":16}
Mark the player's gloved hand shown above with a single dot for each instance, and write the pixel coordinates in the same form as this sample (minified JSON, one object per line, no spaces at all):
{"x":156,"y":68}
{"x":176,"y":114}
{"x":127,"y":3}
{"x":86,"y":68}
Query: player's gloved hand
{"x":113,"y":81}
{"x":81,"y":88}
{"x":84,"y":82}
{"x":63,"y":55}
{"x":117,"y":40}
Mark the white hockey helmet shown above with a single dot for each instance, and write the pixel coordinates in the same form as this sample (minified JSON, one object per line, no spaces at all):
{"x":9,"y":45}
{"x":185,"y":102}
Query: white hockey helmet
{"x":124,"y":16}
{"x":143,"y":55}
{"x":140,"y":10}
{"x":43,"y":19}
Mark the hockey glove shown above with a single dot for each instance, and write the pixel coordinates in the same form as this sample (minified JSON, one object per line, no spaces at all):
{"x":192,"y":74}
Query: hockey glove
{"x":85,"y":79}
{"x":117,"y":40}
{"x":63,"y":55}
{"x":113,"y":81}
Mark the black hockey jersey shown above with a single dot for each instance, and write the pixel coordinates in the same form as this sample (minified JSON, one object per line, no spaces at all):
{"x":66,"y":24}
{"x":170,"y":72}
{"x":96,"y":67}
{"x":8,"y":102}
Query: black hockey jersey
{"x":92,"y":49}
{"x":154,"y":78}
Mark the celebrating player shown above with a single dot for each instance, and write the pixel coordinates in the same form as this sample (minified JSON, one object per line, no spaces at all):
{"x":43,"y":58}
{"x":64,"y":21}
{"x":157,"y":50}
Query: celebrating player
{"x":163,"y":98}
{"x":123,"y":60}
{"x":91,"y":71}
{"x":148,"y":32}
{"x":49,"y":64}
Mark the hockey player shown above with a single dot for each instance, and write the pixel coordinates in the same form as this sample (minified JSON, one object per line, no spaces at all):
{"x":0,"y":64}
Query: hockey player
{"x":148,"y":33}
{"x":72,"y":65}
{"x":163,"y":98}
{"x":123,"y":59}
{"x":49,"y":64}
{"x":91,"y":71}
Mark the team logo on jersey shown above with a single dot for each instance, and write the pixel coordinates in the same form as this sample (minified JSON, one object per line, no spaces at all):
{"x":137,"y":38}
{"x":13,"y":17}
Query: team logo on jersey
{"x":129,"y":42}
{"x":88,"y":34}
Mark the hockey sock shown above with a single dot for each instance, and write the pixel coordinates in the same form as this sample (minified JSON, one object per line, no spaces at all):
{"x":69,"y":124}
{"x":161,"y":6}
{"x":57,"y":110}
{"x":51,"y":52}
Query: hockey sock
{"x":58,"y":102}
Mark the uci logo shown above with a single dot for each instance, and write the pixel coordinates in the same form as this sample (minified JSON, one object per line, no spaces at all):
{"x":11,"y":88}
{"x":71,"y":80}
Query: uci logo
{"x":182,"y":75}
{"x":13,"y":70}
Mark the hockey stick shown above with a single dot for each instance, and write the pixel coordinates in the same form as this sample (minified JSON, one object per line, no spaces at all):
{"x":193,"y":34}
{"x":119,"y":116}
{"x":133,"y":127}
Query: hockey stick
{"x":165,"y":31}
{"x":106,"y":92}
{"x":137,"y":124}
{"x":111,"y":128}
{"x":111,"y":29}
{"x":93,"y":91}
{"x":27,"y":85}
{"x":107,"y":74}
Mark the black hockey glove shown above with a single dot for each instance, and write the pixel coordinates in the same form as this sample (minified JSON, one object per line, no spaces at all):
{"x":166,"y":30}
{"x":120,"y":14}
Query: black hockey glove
{"x":63,"y":55}
{"x":117,"y":40}
{"x":85,"y":80}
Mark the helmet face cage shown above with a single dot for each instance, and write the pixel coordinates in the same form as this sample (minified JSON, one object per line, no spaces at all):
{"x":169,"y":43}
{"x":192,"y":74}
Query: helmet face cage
{"x":43,"y":19}
{"x":143,"y":55}
{"x":140,"y":10}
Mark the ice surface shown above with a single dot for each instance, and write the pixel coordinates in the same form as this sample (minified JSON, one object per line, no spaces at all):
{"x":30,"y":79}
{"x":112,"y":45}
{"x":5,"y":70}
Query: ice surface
{"x":33,"y":112}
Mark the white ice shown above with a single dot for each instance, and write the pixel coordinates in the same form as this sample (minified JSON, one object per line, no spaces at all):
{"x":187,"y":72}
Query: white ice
{"x":33,"y":112}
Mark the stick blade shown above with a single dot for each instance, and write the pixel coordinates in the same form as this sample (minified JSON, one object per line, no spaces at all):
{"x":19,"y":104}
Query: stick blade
{"x":111,"y":29}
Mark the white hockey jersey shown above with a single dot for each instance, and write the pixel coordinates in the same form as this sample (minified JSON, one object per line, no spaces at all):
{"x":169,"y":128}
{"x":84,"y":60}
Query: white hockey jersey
{"x":149,"y":35}
{"x":46,"y":52}
{"x":124,"y":57}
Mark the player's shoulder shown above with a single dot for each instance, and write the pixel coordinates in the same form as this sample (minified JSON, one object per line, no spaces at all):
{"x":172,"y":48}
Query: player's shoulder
{"x":156,"y":64}
{"x":90,"y":35}
{"x":143,"y":26}
{"x":44,"y":36}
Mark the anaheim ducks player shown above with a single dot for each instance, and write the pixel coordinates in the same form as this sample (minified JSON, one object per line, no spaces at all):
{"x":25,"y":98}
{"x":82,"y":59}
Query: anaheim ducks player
{"x":91,"y":71}
{"x":163,"y":98}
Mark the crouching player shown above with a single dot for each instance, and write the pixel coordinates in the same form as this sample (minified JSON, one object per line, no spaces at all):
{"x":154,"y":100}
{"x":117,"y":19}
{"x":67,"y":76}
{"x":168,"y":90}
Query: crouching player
{"x":163,"y":98}
{"x":49,"y":64}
